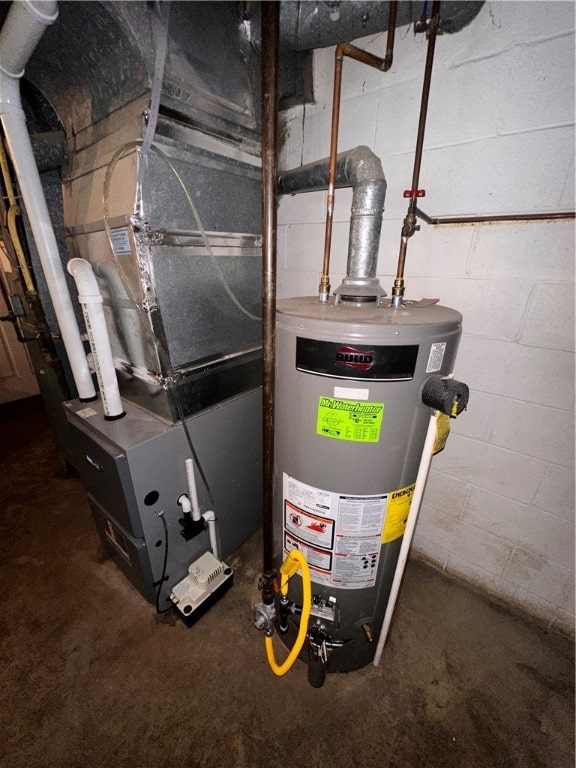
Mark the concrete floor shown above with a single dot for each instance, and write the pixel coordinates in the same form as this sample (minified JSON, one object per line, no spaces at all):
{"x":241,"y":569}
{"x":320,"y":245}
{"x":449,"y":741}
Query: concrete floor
{"x":90,"y":676}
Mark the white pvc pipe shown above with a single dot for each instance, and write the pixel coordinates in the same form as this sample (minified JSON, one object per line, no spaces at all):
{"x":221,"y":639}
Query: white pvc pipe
{"x":91,"y":300}
{"x":23,"y":28}
{"x":415,"y":505}
{"x":127,"y":315}
{"x":210,"y":518}
{"x":193,"y":493}
{"x":184,"y":502}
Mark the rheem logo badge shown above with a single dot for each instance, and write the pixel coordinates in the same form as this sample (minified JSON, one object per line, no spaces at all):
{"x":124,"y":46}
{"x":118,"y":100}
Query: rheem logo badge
{"x":349,"y":357}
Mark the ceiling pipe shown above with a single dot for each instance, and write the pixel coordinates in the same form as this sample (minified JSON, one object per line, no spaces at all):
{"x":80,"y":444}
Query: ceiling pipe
{"x":306,"y":25}
{"x":23,"y":28}
{"x":360,"y":169}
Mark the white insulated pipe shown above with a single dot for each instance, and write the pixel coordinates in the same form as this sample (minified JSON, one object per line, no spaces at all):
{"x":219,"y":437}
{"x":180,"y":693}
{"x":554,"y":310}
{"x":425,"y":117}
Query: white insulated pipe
{"x":23,"y":28}
{"x":419,"y":487}
{"x":91,"y":300}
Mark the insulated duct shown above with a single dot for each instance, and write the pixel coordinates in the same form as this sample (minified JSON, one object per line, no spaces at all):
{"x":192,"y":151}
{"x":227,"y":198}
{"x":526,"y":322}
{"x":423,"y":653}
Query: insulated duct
{"x":307,"y":25}
{"x":360,"y":169}
{"x":23,"y":28}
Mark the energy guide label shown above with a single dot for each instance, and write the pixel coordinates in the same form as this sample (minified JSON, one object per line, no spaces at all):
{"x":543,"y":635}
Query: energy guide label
{"x":339,"y":534}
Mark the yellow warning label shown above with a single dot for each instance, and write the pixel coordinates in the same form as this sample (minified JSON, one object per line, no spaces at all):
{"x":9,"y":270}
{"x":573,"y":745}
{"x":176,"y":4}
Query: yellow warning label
{"x":442,"y":432}
{"x":359,"y":422}
{"x":397,"y":513}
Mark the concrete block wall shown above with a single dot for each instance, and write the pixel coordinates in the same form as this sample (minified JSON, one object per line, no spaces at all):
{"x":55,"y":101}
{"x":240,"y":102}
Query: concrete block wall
{"x":499,"y":507}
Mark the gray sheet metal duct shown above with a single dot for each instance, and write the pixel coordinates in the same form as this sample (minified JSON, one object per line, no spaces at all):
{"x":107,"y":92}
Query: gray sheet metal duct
{"x":305,"y":25}
{"x":360,"y":169}
{"x":112,"y":47}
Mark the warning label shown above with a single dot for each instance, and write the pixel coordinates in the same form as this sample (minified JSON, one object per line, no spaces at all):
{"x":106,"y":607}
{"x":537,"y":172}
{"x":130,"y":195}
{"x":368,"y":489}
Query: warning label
{"x":351,"y":420}
{"x":397,"y":513}
{"x":120,"y":241}
{"x":340,"y":535}
{"x":317,"y":559}
{"x":307,"y":527}
{"x":436,"y":356}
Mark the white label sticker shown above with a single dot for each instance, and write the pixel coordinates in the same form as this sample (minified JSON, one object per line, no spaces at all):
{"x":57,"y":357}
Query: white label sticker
{"x":340,"y":535}
{"x":436,"y":356}
{"x":350,"y":393}
{"x":120,"y":241}
{"x":85,"y":413}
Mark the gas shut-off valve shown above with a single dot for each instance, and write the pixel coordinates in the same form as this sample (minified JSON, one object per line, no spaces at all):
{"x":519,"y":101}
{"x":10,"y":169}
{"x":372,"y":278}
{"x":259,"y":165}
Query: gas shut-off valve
{"x":264,"y":616}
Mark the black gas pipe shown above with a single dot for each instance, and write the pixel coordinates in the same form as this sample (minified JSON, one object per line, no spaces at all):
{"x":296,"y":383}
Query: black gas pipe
{"x":270,"y":36}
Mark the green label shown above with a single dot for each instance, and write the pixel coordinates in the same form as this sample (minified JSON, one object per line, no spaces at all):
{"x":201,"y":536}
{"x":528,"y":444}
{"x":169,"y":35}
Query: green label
{"x":349,"y":420}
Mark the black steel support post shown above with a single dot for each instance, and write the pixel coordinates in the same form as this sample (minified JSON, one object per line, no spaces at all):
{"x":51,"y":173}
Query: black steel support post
{"x":270,"y":37}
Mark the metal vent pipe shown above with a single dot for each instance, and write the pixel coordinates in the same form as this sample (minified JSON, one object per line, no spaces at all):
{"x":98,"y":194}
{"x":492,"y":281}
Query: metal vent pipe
{"x":360,"y":169}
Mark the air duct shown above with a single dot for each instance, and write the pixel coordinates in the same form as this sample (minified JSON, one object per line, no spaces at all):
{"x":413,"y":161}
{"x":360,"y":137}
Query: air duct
{"x":360,"y":169}
{"x":23,"y":28}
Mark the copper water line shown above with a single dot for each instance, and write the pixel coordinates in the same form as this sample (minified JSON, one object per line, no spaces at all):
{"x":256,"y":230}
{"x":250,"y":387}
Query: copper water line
{"x":392,"y":13}
{"x":494,"y":217}
{"x":346,"y":49}
{"x":409,"y":225}
{"x":269,"y":64}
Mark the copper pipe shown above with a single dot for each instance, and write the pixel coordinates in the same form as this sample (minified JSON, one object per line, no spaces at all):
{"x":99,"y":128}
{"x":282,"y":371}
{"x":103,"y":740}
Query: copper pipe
{"x":392,"y":13}
{"x":269,"y":64}
{"x":494,"y":217}
{"x":409,"y":225}
{"x":434,"y":22}
{"x":324,"y":287}
{"x":364,"y":57}
{"x":346,"y":49}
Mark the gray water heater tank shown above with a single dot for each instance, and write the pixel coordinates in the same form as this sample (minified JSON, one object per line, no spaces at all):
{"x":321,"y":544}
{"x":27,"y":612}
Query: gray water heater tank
{"x":350,"y":429}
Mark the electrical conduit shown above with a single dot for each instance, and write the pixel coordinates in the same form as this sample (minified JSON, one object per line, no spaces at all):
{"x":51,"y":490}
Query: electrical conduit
{"x":294,"y":562}
{"x":23,"y":28}
{"x":91,"y":300}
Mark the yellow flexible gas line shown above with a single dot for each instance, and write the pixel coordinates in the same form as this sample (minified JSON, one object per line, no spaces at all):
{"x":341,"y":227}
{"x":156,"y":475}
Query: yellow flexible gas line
{"x":294,"y":562}
{"x":13,"y":211}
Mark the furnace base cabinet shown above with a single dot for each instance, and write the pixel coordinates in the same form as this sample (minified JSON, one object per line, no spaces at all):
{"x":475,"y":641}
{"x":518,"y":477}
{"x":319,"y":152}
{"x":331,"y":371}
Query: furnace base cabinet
{"x":134,"y":472}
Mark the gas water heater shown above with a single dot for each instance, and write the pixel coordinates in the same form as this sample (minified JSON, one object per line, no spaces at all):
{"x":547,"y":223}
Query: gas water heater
{"x":350,"y":430}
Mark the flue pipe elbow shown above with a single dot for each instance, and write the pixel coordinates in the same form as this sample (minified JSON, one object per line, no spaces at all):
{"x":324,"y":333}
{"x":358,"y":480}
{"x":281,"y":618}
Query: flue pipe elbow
{"x":360,"y":169}
{"x":91,"y":300}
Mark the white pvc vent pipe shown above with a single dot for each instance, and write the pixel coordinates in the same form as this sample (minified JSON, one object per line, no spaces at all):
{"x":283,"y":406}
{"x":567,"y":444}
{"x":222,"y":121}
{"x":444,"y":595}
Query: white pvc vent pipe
{"x":419,"y":488}
{"x":192,"y":490}
{"x":23,"y":28}
{"x":91,"y":300}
